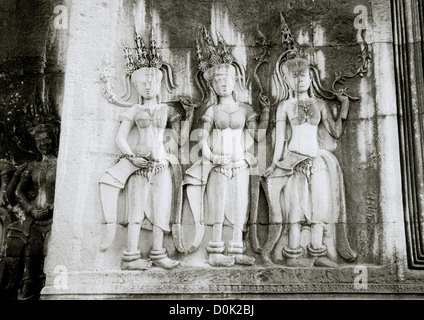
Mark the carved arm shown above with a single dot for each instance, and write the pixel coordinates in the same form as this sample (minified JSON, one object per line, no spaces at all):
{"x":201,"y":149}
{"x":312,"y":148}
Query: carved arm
{"x":207,"y":152}
{"x":335,"y":127}
{"x":21,"y":192}
{"x":13,"y":183}
{"x":121,"y":137}
{"x":258,"y":129}
{"x":187,"y":124}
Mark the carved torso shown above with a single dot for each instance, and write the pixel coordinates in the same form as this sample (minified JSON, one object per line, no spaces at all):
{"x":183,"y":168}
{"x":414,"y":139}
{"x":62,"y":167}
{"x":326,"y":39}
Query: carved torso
{"x":151,"y":123}
{"x":228,"y":123}
{"x":225,"y":119}
{"x":155,"y":118}
{"x":304,"y":118}
{"x":43,"y":179}
{"x":304,"y":112}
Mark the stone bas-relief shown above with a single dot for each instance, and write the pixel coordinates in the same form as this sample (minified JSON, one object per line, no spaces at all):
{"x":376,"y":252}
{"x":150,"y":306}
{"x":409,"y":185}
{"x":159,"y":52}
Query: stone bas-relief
{"x":217,"y":186}
{"x":29,"y":199}
{"x":191,"y":237}
{"x":304,"y":183}
{"x":149,"y":172}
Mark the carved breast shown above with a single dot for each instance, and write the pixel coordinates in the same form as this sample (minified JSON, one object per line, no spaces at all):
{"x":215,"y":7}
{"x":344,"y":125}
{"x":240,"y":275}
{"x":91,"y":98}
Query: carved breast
{"x":233,"y":120}
{"x":43,"y":173}
{"x":156,"y":118}
{"x":305,"y":113}
{"x":44,"y":178}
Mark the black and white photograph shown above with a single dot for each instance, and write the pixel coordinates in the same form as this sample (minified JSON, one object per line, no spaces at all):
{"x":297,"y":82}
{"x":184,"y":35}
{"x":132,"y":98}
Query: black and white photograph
{"x":208,"y":156}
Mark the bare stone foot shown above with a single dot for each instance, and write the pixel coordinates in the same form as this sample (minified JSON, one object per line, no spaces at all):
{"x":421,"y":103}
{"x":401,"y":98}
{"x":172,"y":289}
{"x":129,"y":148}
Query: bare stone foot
{"x":325,"y":262}
{"x":299,"y":263}
{"x":220,"y":260}
{"x":139,"y":264}
{"x":244,"y":260}
{"x":166,"y":263}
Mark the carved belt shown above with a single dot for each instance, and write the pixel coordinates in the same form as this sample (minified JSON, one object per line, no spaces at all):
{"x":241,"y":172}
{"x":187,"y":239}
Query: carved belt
{"x":233,"y":169}
{"x":154,"y":167}
{"x":310,"y":166}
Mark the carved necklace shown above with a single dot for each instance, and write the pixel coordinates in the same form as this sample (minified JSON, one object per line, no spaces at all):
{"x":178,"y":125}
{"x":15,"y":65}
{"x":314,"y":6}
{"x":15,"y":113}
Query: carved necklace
{"x":302,"y":105}
{"x":47,"y":164}
{"x":305,"y":107}
{"x":152,"y":109}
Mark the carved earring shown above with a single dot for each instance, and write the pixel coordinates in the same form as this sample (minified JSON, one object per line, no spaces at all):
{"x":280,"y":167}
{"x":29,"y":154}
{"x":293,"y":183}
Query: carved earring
{"x":235,"y":96}
{"x":311,"y":88}
{"x":310,"y":91}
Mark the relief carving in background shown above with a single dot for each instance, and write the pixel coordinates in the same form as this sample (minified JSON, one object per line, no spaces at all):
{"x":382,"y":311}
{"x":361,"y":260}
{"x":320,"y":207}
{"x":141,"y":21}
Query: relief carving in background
{"x":27,"y":206}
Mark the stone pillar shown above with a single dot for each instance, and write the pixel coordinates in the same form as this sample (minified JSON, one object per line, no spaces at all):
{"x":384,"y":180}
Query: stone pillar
{"x":408,"y":41}
{"x":393,"y":231}
{"x":87,"y":139}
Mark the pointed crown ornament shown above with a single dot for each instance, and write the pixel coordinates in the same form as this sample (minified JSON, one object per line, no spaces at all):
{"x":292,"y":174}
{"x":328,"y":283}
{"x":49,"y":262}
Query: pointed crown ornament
{"x":290,"y":60}
{"x":41,"y":117}
{"x":143,"y":58}
{"x":288,"y":41}
{"x":216,"y":56}
{"x":145,"y":64}
{"x":219,"y":60}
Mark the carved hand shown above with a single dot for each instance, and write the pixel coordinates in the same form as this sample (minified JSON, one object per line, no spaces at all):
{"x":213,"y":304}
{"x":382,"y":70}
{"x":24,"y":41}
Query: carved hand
{"x":139,"y":162}
{"x":188,"y":106}
{"x":270,"y":171}
{"x":265,"y":103}
{"x":20,"y":168}
{"x":39,"y":213}
{"x":344,"y":101}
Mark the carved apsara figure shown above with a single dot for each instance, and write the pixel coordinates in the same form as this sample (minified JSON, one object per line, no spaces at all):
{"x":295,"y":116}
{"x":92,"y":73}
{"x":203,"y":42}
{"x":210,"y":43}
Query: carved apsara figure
{"x":217,"y":186}
{"x":27,"y":237}
{"x":148,"y":171}
{"x":304,"y":182}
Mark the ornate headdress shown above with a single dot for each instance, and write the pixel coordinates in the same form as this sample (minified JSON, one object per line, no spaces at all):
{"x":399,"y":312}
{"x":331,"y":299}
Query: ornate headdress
{"x":219,"y":61}
{"x":41,"y":117}
{"x":143,"y":59}
{"x":280,"y":89}
{"x":145,"y":63}
{"x":290,"y":56}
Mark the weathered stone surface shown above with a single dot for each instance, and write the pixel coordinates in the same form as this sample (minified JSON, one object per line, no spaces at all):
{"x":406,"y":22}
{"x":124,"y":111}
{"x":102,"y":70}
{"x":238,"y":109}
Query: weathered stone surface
{"x":193,"y":282}
{"x":367,"y":150}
